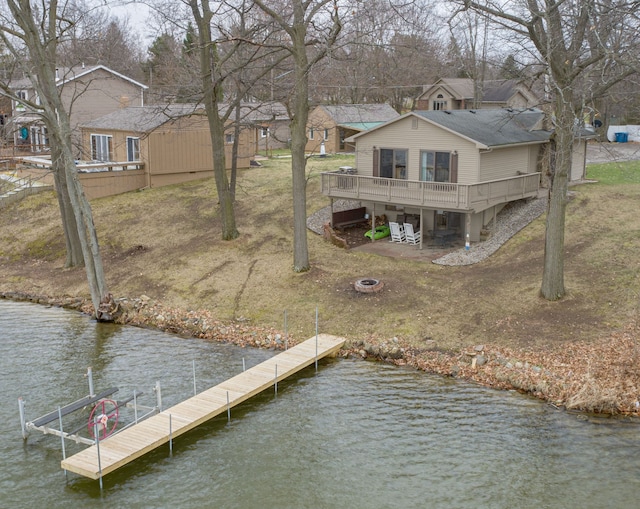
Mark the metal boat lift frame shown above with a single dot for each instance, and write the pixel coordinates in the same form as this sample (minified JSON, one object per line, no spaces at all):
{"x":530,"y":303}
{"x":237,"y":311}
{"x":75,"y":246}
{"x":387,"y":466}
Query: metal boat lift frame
{"x":42,"y":423}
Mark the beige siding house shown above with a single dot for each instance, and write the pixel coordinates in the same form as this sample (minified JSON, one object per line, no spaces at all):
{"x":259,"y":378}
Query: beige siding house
{"x":458,"y":94}
{"x":87,"y":93}
{"x":447,"y":172}
{"x":168,"y":144}
{"x":329,"y":126}
{"x":270,"y":122}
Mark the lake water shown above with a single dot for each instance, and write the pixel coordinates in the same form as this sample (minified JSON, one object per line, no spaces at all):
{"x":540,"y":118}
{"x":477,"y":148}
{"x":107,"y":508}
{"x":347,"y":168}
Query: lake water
{"x":354,"y":434}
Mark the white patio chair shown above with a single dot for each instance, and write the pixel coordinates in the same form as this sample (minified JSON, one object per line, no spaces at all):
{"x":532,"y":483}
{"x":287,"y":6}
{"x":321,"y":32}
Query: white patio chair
{"x":412,"y":237}
{"x":397,"y":232}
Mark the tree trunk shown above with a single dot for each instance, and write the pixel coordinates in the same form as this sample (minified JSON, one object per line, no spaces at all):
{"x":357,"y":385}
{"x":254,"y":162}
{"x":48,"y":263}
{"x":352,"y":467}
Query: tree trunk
{"x":40,"y":39}
{"x":234,"y":151}
{"x":72,"y":240}
{"x":212,"y":95}
{"x":85,"y":227}
{"x":298,"y":159}
{"x":563,"y":138}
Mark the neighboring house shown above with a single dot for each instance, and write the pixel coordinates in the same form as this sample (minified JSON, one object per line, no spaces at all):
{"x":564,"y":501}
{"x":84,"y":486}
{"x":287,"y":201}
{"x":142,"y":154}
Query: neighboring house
{"x":447,"y":171}
{"x":458,"y":94}
{"x":87,"y":93}
{"x":170,"y":144}
{"x":331,"y":125}
{"x":270,"y":120}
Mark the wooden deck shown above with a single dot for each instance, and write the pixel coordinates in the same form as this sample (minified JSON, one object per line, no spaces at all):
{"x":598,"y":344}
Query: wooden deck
{"x":124,"y":447}
{"x":433,"y":195}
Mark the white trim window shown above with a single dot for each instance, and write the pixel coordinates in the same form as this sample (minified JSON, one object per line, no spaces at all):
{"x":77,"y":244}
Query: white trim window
{"x":393,"y":163}
{"x":326,"y":134}
{"x":228,"y":138}
{"x":22,"y":95}
{"x":440,"y":104}
{"x":264,"y":132}
{"x":101,"y":147}
{"x":435,"y":166}
{"x":133,"y":148}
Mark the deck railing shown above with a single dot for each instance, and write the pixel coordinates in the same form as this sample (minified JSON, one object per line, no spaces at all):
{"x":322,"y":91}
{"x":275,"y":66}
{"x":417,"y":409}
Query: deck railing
{"x":84,"y":166}
{"x":442,"y":195}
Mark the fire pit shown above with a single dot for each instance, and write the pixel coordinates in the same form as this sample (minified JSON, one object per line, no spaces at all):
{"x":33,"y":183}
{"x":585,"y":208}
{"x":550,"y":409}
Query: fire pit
{"x":368,"y":285}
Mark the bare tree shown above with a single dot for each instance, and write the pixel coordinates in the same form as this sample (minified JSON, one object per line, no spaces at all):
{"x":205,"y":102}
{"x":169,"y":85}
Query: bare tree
{"x":212,"y":96}
{"x":32,"y":35}
{"x":307,"y":41}
{"x":471,"y":32}
{"x":95,"y":37}
{"x":584,"y":47}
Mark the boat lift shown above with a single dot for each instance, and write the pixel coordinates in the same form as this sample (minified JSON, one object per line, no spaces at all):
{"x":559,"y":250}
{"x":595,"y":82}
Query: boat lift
{"x":103,"y":419}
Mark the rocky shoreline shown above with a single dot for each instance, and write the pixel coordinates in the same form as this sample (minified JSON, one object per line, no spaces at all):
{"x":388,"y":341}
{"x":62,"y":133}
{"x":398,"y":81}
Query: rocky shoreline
{"x":599,"y":378}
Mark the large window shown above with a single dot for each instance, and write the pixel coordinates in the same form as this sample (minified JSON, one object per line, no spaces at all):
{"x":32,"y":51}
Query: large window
{"x":393,"y":163}
{"x":435,"y":166}
{"x":440,"y":103}
{"x":101,"y":147}
{"x":311,"y":133}
{"x":133,"y":149}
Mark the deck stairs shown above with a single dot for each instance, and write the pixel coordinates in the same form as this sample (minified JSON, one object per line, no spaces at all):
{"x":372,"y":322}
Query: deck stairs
{"x":14,"y":188}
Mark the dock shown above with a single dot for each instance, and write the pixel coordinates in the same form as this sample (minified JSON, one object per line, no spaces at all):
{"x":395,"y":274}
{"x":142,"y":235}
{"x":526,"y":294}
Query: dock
{"x":135,"y":441}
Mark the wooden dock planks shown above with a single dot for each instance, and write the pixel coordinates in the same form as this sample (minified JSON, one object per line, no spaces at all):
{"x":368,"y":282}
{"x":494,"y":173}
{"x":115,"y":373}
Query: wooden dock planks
{"x":131,"y":443}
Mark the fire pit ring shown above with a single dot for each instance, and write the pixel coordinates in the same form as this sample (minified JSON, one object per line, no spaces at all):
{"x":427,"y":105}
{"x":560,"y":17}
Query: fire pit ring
{"x":368,"y":285}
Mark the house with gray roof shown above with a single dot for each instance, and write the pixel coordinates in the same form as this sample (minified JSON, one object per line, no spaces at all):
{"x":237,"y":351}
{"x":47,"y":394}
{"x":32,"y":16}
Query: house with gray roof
{"x":459,"y":94}
{"x":329,"y":126}
{"x":270,"y":121}
{"x":447,"y":172}
{"x":162,"y":144}
{"x":87,"y":92}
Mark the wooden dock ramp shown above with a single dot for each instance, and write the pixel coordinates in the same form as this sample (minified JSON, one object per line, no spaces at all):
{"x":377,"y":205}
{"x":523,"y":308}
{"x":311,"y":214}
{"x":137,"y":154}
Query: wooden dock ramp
{"x":135,"y":441}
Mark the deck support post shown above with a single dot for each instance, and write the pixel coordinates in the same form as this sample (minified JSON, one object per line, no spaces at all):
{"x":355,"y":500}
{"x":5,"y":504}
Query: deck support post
{"x":286,"y":336}
{"x":195,"y":391}
{"x":228,"y":409}
{"x":90,"y":377}
{"x":22,"y":419}
{"x":95,"y":423}
{"x":135,"y":406}
{"x":275,"y":384}
{"x":316,"y":361}
{"x":158,"y":392}
{"x":64,"y":451}
{"x":244,"y":367}
{"x":170,"y":437}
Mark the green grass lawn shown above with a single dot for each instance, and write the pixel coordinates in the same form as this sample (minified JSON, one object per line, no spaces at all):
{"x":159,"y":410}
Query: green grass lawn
{"x":615,"y":173}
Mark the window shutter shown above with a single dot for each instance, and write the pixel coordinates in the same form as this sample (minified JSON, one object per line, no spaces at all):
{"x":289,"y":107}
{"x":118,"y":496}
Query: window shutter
{"x":376,"y":162}
{"x":454,"y":168}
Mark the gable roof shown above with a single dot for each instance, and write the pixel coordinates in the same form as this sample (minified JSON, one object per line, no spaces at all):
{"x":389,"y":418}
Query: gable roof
{"x":462,"y":88}
{"x":487,"y":128}
{"x":68,"y":74}
{"x":351,"y":115}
